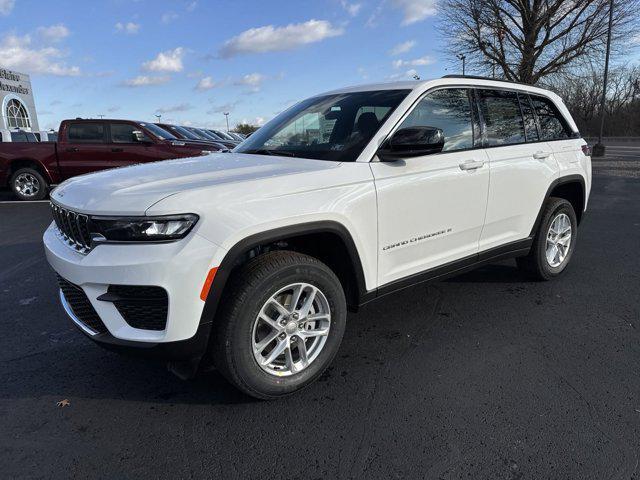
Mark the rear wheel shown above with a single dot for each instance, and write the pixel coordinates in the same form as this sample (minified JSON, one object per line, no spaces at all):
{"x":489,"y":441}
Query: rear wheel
{"x":554,"y":242}
{"x":29,"y":184}
{"x":281,"y":324}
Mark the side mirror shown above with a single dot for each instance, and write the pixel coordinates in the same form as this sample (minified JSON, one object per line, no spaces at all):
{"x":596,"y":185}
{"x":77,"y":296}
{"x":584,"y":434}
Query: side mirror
{"x":140,"y":137}
{"x":412,"y":142}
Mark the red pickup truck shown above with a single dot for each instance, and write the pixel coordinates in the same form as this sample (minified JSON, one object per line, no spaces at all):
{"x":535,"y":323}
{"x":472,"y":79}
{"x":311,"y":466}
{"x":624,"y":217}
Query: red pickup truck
{"x":86,"y":146}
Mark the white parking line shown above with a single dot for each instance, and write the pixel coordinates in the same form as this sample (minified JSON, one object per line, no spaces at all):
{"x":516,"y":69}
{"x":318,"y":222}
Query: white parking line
{"x":3,"y":202}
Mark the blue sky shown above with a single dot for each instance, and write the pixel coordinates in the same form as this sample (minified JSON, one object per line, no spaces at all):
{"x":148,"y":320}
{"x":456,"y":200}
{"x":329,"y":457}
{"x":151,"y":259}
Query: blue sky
{"x":192,"y":60}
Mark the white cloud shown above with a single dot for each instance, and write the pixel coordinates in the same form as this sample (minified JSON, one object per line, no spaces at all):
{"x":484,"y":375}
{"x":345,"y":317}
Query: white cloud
{"x":272,"y":39}
{"x":192,"y":6}
{"x":128,"y":27}
{"x":168,"y":61}
{"x":6,"y":6}
{"x":206,"y":83}
{"x":352,"y":8}
{"x":251,"y":80}
{"x":168,"y":17}
{"x":145,"y":81}
{"x":181,"y":107}
{"x":409,"y":74}
{"x":418,"y":62}
{"x":415,"y":10}
{"x":227,"y":107}
{"x":54,"y":33}
{"x":402,"y":47}
{"x":17,"y":53}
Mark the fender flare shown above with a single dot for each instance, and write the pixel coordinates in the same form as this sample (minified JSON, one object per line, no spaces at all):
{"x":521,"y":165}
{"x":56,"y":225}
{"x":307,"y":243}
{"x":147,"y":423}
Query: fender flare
{"x":556,"y":183}
{"x":234,"y":253}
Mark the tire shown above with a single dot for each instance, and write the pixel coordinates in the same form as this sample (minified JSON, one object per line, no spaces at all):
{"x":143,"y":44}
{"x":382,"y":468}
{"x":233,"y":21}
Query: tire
{"x":536,"y":263}
{"x":29,"y":184}
{"x":237,"y":329}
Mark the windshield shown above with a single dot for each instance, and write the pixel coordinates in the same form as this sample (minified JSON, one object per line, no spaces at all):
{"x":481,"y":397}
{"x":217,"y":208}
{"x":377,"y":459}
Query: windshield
{"x":224,"y":135}
{"x":158,"y":132}
{"x":185,"y":133}
{"x":330,"y":127}
{"x":207,"y":135}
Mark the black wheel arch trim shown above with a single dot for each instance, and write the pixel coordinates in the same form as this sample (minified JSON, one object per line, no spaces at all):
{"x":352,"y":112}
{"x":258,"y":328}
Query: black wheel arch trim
{"x":243,"y":246}
{"x":556,"y":183}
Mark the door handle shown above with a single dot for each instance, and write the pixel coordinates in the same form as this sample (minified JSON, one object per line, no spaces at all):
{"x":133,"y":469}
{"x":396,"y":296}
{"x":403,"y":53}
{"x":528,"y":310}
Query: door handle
{"x":71,"y":149}
{"x":541,"y":155}
{"x":471,"y":165}
{"x":117,"y":150}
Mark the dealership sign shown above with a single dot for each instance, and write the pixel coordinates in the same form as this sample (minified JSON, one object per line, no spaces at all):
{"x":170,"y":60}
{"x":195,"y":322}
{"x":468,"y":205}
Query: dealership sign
{"x":17,"y":106}
{"x":12,"y":77}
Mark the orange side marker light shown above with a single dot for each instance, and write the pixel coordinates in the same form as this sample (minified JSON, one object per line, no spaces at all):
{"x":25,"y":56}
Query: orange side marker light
{"x":207,"y":284}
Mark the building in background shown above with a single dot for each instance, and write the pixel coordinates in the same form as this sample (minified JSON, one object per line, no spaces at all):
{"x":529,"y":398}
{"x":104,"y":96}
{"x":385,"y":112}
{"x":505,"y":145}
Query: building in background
{"x":16,"y":101}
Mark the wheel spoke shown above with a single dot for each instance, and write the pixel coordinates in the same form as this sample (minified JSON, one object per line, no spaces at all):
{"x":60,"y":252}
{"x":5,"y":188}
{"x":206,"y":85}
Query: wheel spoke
{"x":318,"y":332}
{"x":308,"y":302}
{"x":260,"y":346}
{"x":288,"y":356}
{"x":295,"y":298}
{"x":282,"y":310}
{"x":280,"y":347}
{"x":270,"y":321}
{"x":302,"y":350}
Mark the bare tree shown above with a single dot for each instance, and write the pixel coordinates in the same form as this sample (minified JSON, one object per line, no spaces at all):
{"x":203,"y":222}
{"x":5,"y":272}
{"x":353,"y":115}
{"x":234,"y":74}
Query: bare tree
{"x":581,"y":90}
{"x":528,"y":40}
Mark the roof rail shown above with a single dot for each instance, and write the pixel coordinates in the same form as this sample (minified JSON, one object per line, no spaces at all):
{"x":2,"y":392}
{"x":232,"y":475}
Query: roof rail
{"x":478,"y":77}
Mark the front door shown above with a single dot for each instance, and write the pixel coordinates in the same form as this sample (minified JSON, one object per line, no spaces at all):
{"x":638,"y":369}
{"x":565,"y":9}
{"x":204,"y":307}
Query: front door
{"x":431,"y":208}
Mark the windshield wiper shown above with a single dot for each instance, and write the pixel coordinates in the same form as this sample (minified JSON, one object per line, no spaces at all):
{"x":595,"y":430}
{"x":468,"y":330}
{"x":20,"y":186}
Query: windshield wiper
{"x":270,"y":151}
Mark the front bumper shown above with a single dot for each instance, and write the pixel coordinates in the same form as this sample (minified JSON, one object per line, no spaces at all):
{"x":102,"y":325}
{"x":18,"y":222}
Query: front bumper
{"x":179,"y":267}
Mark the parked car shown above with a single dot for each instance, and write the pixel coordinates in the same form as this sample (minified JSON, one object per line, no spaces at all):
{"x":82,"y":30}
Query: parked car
{"x":30,"y":167}
{"x":237,"y":136}
{"x":191,"y":138}
{"x":18,"y":135}
{"x":206,"y":134}
{"x":250,"y":261}
{"x":47,"y":136}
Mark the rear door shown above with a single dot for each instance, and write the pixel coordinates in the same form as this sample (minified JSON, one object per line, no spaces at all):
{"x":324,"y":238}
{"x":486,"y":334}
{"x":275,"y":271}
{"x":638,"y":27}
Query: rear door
{"x":522,"y":166}
{"x":84,"y":148}
{"x":431,"y":208}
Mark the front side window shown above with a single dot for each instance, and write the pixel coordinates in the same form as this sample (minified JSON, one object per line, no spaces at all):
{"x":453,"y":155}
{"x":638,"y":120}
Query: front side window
{"x":502,"y":117}
{"x":552,"y":124}
{"x":333,"y":127}
{"x":448,"y":110}
{"x":86,"y":132}
{"x":124,"y":133}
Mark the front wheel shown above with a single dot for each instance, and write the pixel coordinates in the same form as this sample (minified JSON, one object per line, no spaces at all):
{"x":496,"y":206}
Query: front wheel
{"x":28,"y":184}
{"x":554,"y":241}
{"x":280,"y":325}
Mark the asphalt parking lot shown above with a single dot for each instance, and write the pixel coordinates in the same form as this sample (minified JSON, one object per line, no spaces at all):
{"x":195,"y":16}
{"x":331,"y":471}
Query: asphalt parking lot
{"x":486,"y":375}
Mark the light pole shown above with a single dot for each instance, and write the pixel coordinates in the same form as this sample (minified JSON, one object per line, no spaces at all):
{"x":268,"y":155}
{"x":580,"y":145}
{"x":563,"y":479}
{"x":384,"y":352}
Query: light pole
{"x":226,"y":116}
{"x":158,"y":116}
{"x":462,"y":57}
{"x":598,"y":148}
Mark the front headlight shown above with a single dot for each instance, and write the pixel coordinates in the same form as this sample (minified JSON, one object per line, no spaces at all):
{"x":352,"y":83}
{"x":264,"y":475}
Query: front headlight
{"x":141,"y":229}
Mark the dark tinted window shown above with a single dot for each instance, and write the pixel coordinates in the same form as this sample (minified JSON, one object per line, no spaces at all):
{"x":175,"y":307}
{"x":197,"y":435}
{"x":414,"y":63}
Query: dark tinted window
{"x":37,"y":135}
{"x":448,"y":110}
{"x":19,"y":137}
{"x":123,"y":133}
{"x":530,"y":127}
{"x":552,"y":124}
{"x":86,"y":132}
{"x":503,"y":120}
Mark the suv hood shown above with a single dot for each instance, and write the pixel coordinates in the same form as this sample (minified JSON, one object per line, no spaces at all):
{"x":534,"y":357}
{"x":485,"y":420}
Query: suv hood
{"x":132,"y":190}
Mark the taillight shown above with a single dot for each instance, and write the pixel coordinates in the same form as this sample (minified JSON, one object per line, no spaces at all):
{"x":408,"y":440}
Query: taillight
{"x":586,"y":149}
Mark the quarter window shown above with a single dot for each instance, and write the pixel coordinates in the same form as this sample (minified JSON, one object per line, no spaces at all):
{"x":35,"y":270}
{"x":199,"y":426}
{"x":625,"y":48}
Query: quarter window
{"x":86,"y":132}
{"x":552,"y":124}
{"x":502,"y":116}
{"x":448,"y":110}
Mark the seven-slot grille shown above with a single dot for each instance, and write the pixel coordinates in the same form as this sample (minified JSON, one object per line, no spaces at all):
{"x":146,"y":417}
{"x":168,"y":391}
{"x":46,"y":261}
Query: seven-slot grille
{"x":73,"y":227}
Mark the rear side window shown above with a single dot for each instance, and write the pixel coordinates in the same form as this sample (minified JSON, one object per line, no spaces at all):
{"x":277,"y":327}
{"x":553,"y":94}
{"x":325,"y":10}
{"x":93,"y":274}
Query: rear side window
{"x":552,"y":125}
{"x":123,"y":133}
{"x":448,"y":110}
{"x":19,"y":137}
{"x":502,"y":116}
{"x":86,"y":132}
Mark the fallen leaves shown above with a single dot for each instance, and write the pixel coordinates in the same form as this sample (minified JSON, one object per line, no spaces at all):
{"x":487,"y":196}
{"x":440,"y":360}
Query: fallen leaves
{"x":63,"y":403}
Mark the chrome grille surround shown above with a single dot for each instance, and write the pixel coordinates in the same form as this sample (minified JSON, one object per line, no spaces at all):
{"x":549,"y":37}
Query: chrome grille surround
{"x":73,"y":228}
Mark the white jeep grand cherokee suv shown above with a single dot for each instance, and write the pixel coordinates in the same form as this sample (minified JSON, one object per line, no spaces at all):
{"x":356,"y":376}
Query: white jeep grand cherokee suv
{"x":251,"y":258}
